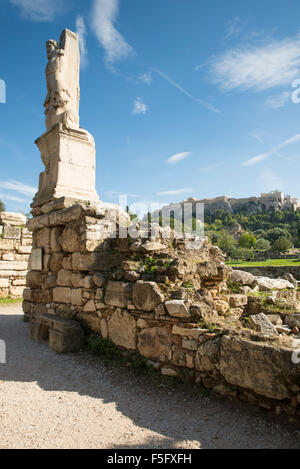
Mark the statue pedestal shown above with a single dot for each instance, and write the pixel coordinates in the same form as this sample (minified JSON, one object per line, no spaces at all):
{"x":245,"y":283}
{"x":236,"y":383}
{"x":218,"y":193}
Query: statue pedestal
{"x":69,"y":157}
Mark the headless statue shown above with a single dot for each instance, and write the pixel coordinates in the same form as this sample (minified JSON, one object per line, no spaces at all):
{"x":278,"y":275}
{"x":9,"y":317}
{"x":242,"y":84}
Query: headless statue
{"x":62,"y":76}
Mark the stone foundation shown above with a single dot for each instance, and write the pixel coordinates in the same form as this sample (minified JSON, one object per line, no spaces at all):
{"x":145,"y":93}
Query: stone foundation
{"x":15,"y":248}
{"x":156,"y":297}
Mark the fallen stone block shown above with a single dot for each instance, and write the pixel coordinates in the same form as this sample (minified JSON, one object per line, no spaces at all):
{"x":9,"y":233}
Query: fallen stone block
{"x":261,"y":323}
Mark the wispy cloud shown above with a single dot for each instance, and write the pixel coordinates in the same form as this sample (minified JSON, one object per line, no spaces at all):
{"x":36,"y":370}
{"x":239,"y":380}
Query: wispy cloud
{"x":184,"y":91}
{"x":279,"y":100}
{"x":176,"y":192}
{"x":38,"y":10}
{"x":234,"y":28}
{"x":17,"y":186}
{"x":145,"y":78}
{"x":139,"y":107}
{"x":258,"y":67}
{"x":178,"y":157}
{"x":81,"y":32}
{"x":104,"y":15}
{"x":263,"y":156}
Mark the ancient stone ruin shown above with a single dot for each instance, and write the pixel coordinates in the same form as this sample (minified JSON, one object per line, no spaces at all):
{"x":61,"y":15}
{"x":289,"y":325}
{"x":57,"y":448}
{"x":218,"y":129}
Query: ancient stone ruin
{"x":166,"y":296}
{"x":15,"y":248}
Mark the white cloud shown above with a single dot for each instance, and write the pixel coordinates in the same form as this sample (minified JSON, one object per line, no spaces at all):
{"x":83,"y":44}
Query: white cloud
{"x":178,"y":157}
{"x":18,"y":187}
{"x":260,"y":67}
{"x":104,"y":15}
{"x":139,"y":107}
{"x":234,"y":28}
{"x":145,"y":78}
{"x":38,"y":10}
{"x":81,"y":32}
{"x":279,"y":100}
{"x":176,"y":192}
{"x":180,"y":88}
{"x":275,"y":149}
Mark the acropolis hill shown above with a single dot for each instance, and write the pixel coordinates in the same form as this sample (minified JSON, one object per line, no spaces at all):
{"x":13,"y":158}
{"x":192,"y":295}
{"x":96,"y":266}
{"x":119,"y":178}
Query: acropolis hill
{"x":272,"y":201}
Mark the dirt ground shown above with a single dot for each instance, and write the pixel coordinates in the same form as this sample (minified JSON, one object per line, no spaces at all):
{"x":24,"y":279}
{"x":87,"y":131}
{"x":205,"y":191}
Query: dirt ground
{"x":77,"y":401}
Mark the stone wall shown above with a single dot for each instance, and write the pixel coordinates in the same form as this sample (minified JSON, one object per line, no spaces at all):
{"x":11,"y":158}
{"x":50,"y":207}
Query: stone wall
{"x":272,"y":271}
{"x":156,"y":297}
{"x":15,"y":248}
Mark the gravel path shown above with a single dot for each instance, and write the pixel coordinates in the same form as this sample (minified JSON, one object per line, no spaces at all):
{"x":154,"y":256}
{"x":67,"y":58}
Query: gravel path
{"x":76,"y":401}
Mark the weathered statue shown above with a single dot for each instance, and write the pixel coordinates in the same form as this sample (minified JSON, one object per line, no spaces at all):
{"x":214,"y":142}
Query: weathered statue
{"x":62,"y":75}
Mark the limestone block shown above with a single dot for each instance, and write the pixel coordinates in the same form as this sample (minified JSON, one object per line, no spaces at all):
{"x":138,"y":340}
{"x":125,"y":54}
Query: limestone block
{"x":237,"y":301}
{"x":90,"y":307}
{"x":55,"y":238}
{"x":221,"y":306}
{"x":142,"y":324}
{"x":76,"y":279}
{"x":36,"y":223}
{"x":99,"y":279}
{"x":83,"y":262}
{"x":12,"y":219}
{"x":4,"y":292}
{"x":208,"y":356}
{"x":67,"y":263}
{"x":153,"y":246}
{"x":266,"y":284}
{"x":70,"y":238}
{"x":177,"y":308}
{"x":56,"y":261}
{"x":275,"y":319}
{"x":9,"y":256}
{"x":64,"y":278}
{"x":87,"y":282}
{"x":46,"y":262}
{"x":122,"y":329}
{"x":190,"y":344}
{"x":242,"y":278}
{"x":34,"y":279}
{"x":27,"y":294}
{"x":62,"y":295}
{"x":118,"y":294}
{"x":190,"y":361}
{"x":41,"y":296}
{"x":147,"y":295}
{"x":76,"y":296}
{"x":185,"y":332}
{"x":24,"y":249}
{"x":16,"y":292}
{"x":99,"y":294}
{"x":155,"y":343}
{"x":91,"y":320}
{"x":6,"y":244}
{"x":292,"y":320}
{"x":4,"y":282}
{"x":261,"y":323}
{"x":131,"y":276}
{"x":160,"y":310}
{"x":265,"y":369}
{"x":65,"y":216}
{"x":13,"y":265}
{"x":11,"y":232}
{"x":104,"y":329}
{"x":166,"y":371}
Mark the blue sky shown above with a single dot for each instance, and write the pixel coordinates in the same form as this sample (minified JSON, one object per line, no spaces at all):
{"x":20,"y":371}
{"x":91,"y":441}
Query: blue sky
{"x":183,"y":97}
